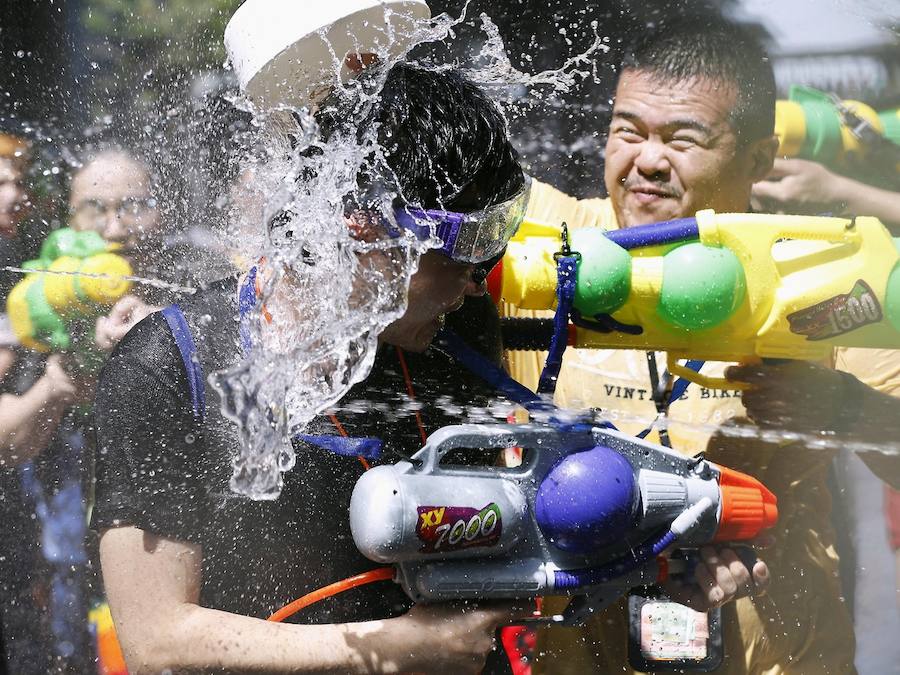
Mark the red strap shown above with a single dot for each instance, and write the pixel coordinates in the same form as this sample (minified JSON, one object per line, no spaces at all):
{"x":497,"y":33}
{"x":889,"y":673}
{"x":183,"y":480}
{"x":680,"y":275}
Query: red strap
{"x":412,"y":394}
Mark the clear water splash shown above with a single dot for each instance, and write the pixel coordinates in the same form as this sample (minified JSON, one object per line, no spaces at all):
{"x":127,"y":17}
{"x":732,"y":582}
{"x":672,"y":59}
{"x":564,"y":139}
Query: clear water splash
{"x":333,"y":294}
{"x":495,"y":70}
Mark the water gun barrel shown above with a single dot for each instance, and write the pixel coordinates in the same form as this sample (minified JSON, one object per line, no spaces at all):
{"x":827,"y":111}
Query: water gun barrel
{"x":77,"y":277}
{"x":721,"y":287}
{"x":592,"y":499}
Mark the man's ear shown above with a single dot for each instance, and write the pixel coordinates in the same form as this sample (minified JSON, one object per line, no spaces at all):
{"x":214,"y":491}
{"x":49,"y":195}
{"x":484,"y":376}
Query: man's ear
{"x":762,"y":157}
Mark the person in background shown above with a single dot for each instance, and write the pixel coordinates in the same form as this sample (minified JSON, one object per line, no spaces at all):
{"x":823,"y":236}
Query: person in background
{"x":23,"y":419}
{"x":46,"y":430}
{"x":14,"y":201}
{"x":803,"y":187}
{"x":24,"y":636}
{"x":112,"y":195}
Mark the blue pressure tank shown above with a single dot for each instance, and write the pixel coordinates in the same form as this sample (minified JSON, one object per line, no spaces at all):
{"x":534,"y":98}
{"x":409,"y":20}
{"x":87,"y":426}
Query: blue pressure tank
{"x":587,"y":500}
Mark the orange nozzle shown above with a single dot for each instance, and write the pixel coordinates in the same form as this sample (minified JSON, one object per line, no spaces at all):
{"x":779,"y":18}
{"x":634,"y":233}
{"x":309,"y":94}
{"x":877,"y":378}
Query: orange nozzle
{"x":748,"y":507}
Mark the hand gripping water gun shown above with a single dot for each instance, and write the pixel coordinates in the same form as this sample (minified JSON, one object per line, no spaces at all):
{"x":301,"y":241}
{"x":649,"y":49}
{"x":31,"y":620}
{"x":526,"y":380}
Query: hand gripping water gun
{"x":724,"y":287}
{"x":590,"y":513}
{"x":814,"y":125}
{"x":77,"y":277}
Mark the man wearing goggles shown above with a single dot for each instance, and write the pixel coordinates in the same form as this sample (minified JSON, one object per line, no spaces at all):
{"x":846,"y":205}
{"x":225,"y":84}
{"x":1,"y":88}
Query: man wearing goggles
{"x":471,"y":244}
{"x":477,"y":238}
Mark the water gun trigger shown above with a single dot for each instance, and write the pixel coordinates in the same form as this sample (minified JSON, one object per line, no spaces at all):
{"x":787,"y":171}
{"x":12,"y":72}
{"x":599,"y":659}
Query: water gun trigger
{"x":707,"y":381}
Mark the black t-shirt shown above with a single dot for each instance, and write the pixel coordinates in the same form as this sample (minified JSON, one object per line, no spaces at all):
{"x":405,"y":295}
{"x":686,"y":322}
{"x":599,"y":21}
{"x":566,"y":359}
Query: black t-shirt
{"x":160,"y":469}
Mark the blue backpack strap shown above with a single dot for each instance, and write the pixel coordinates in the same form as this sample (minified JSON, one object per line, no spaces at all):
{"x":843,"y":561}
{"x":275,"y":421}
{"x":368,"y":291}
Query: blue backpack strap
{"x":368,"y":448}
{"x":479,"y":365}
{"x":246,"y":303}
{"x":185,"y":341}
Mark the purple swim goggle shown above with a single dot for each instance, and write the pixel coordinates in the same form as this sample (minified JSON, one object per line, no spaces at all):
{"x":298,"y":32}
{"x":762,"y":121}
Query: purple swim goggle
{"x":471,"y":238}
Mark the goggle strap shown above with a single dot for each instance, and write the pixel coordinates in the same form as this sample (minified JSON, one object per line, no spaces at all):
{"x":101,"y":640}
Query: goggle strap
{"x":420,"y":221}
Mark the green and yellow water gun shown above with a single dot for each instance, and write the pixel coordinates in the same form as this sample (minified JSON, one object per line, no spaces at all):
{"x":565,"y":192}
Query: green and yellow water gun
{"x":724,"y":287}
{"x":848,"y":135}
{"x":77,"y":277}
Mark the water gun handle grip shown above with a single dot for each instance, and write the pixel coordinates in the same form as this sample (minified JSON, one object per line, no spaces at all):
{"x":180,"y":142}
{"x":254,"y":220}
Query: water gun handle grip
{"x":703,"y":380}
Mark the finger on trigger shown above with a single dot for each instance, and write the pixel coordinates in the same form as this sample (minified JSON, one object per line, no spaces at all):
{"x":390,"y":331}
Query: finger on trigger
{"x":767,"y":190}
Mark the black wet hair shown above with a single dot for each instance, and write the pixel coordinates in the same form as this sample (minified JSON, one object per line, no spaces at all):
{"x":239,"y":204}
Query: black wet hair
{"x":714,"y":49}
{"x":444,"y":141}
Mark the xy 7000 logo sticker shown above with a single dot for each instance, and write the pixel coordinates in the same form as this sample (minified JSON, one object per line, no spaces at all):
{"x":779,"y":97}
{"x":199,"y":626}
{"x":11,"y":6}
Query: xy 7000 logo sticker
{"x":838,"y":315}
{"x":452,"y":528}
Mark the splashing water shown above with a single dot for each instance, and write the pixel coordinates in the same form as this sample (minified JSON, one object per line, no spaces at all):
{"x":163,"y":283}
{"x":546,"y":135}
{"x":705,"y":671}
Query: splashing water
{"x":334,"y":294}
{"x":331,"y":294}
{"x":498,"y":71}
{"x":153,"y":283}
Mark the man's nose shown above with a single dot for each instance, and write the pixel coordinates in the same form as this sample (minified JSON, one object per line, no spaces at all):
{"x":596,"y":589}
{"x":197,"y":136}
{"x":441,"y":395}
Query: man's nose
{"x":113,"y":229}
{"x":652,"y":159}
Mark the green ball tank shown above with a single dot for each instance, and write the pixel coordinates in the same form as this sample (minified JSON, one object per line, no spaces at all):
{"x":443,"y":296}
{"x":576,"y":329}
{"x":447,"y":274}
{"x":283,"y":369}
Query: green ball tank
{"x":604,"y":273}
{"x":702,"y":286}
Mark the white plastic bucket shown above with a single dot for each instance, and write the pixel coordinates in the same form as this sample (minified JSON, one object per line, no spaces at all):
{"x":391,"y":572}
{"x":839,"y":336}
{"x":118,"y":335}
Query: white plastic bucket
{"x":286,"y":52}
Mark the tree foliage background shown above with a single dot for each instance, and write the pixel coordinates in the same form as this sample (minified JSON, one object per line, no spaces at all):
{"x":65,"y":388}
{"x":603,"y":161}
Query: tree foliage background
{"x":139,"y":50}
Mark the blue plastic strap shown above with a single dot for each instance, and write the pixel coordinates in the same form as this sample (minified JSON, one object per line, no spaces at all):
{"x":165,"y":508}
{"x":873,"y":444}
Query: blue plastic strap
{"x":370,"y":448}
{"x":491,"y":373}
{"x":185,"y":341}
{"x":656,"y":234}
{"x":567,"y":276}
{"x":246,"y":302}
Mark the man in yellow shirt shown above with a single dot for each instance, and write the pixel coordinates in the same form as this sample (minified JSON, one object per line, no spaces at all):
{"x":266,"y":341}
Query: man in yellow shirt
{"x":692,"y":128}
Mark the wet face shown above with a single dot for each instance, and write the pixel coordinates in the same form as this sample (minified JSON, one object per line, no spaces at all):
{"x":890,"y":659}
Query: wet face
{"x":438,"y":287}
{"x":672,"y":150}
{"x":111,"y":195}
{"x":14,"y":203}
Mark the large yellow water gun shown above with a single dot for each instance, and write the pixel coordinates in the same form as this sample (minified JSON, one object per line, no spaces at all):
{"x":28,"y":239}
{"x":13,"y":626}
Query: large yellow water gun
{"x":78,"y":277}
{"x":723,"y":287}
{"x":848,"y":135}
